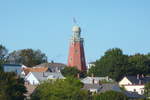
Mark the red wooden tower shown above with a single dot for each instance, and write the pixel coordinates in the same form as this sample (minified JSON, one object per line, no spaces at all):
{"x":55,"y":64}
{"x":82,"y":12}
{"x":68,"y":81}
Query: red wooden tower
{"x":76,"y":56}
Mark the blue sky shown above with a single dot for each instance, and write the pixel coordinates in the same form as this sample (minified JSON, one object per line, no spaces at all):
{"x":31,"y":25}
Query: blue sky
{"x":47,"y":24}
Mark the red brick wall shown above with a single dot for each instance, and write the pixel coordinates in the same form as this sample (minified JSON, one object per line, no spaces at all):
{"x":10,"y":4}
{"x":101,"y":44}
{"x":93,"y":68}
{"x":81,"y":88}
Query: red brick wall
{"x":76,"y":56}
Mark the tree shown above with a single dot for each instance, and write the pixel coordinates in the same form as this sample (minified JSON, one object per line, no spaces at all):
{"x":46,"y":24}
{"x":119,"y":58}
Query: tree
{"x":116,"y":65}
{"x":139,"y":64}
{"x":110,"y":95}
{"x":147,"y":90}
{"x":67,"y":89}
{"x":11,"y":87}
{"x":3,"y":53}
{"x":113,"y":64}
{"x":70,"y":71}
{"x":28,"y":57}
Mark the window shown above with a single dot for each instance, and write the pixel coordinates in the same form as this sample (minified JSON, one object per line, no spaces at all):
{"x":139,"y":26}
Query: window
{"x":16,"y":71}
{"x":76,"y":51}
{"x":134,"y":90}
{"x":142,"y":91}
{"x":70,"y":59}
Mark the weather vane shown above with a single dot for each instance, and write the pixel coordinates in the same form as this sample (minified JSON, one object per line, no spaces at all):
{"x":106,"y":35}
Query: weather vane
{"x":74,"y":20}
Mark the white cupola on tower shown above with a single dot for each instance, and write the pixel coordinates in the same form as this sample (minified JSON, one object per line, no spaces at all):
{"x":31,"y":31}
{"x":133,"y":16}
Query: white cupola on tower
{"x":76,"y":32}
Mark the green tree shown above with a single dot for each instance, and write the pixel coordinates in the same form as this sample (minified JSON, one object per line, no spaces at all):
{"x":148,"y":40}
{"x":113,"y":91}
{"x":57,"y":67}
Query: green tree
{"x":3,"y":53}
{"x":70,"y":71}
{"x":110,"y":95}
{"x":113,"y":64}
{"x":116,"y":65}
{"x":11,"y":87}
{"x":147,"y":89}
{"x":67,"y":89}
{"x":139,"y":64}
{"x":28,"y":57}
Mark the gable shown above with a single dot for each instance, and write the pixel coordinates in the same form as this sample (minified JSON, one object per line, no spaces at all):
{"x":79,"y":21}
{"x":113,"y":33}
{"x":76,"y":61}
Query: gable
{"x":125,"y":81}
{"x":31,"y":79}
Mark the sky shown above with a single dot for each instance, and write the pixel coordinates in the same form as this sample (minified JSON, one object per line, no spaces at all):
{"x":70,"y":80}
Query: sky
{"x":47,"y":25}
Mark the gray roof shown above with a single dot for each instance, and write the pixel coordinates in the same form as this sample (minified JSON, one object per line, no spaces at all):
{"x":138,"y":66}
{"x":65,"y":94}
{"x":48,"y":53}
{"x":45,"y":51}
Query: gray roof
{"x":89,"y":80}
{"x":92,"y":62}
{"x":141,"y":80}
{"x":53,"y":67}
{"x":41,"y":76}
{"x":103,"y":87}
{"x":92,"y":86}
{"x":108,"y":87}
{"x":133,"y":94}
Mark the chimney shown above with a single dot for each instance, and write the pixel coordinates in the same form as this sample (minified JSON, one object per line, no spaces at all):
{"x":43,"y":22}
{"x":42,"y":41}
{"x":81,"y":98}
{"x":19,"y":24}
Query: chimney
{"x":78,"y":75}
{"x":138,"y":76}
{"x":92,"y":75}
{"x":142,"y":76}
{"x":52,"y":61}
{"x":140,"y":82}
{"x":99,"y":82}
{"x":107,"y":78}
{"x":43,"y":74}
{"x":93,"y":81}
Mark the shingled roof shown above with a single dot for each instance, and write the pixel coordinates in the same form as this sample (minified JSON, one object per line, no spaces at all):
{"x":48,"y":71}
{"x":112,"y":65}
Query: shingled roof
{"x":91,"y":86}
{"x":139,"y":80}
{"x":51,"y":65}
{"x":103,"y":87}
{"x":134,"y":95}
{"x":35,"y":69}
{"x":108,"y":87}
{"x":47,"y":75}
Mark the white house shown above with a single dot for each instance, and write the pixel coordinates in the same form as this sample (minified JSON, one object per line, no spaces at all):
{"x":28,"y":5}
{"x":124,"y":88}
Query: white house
{"x":35,"y":78}
{"x":134,"y":83}
{"x":91,"y":64}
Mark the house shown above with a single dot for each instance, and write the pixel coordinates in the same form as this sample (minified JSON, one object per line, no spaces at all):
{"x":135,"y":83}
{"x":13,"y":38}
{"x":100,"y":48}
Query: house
{"x":53,"y":67}
{"x":13,"y":68}
{"x":91,"y":64}
{"x":95,"y":80}
{"x":94,"y":84}
{"x":35,"y":78}
{"x":134,"y":83}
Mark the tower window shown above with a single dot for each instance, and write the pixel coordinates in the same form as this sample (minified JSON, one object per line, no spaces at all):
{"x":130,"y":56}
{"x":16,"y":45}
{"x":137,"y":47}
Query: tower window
{"x":76,"y":51}
{"x":70,"y":59}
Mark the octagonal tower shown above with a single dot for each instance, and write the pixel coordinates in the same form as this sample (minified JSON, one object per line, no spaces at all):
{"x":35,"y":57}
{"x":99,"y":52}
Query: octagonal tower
{"x":76,"y":56}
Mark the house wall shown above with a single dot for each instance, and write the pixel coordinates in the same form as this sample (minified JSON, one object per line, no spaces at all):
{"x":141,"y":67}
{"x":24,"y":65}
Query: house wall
{"x":31,"y":79}
{"x":135,"y":88}
{"x":124,"y":81}
{"x":94,"y":90}
{"x":90,"y":65}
